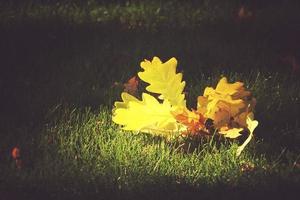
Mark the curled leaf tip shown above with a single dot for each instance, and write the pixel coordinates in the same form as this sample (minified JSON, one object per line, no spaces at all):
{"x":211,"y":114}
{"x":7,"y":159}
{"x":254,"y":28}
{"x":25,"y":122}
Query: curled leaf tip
{"x":251,"y":125}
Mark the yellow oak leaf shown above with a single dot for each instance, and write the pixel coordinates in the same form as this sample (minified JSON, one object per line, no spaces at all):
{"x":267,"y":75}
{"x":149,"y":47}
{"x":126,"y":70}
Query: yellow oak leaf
{"x":164,"y":80}
{"x":147,"y":115}
{"x":126,"y":99}
{"x":228,"y":101}
{"x":237,"y":88}
{"x":231,"y":133}
{"x":251,"y":125}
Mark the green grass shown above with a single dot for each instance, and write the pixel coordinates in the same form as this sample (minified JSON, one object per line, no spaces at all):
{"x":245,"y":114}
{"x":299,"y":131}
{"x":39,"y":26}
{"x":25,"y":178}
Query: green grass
{"x":85,"y":152}
{"x":60,"y":64}
{"x":146,"y":14}
{"x":82,"y":152}
{"x":131,"y":14}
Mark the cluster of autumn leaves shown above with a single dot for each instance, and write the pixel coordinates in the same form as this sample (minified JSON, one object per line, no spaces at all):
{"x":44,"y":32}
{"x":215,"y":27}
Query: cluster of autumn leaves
{"x":226,"y":110}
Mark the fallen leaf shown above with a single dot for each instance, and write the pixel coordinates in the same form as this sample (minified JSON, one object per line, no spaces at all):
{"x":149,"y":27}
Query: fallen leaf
{"x":226,"y":109}
{"x":194,"y":121}
{"x":231,"y":133}
{"x":131,"y":85}
{"x":147,"y":115}
{"x":164,"y":80}
{"x":244,"y":13}
{"x":15,"y":153}
{"x":228,"y":101}
{"x":251,"y":125}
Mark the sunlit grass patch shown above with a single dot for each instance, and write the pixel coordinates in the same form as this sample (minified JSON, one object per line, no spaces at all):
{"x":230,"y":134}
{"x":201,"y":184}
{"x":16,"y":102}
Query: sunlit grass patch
{"x":87,"y":146}
{"x":83,"y":151}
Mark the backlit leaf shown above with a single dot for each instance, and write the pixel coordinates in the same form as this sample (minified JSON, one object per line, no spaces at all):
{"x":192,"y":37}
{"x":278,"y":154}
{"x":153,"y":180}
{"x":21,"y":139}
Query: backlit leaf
{"x":164,"y":80}
{"x":147,"y":115}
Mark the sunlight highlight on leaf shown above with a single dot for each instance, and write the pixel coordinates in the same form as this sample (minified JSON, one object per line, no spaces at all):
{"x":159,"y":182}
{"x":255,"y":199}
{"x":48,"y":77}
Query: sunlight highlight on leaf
{"x":164,"y":80}
{"x":147,"y":115}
